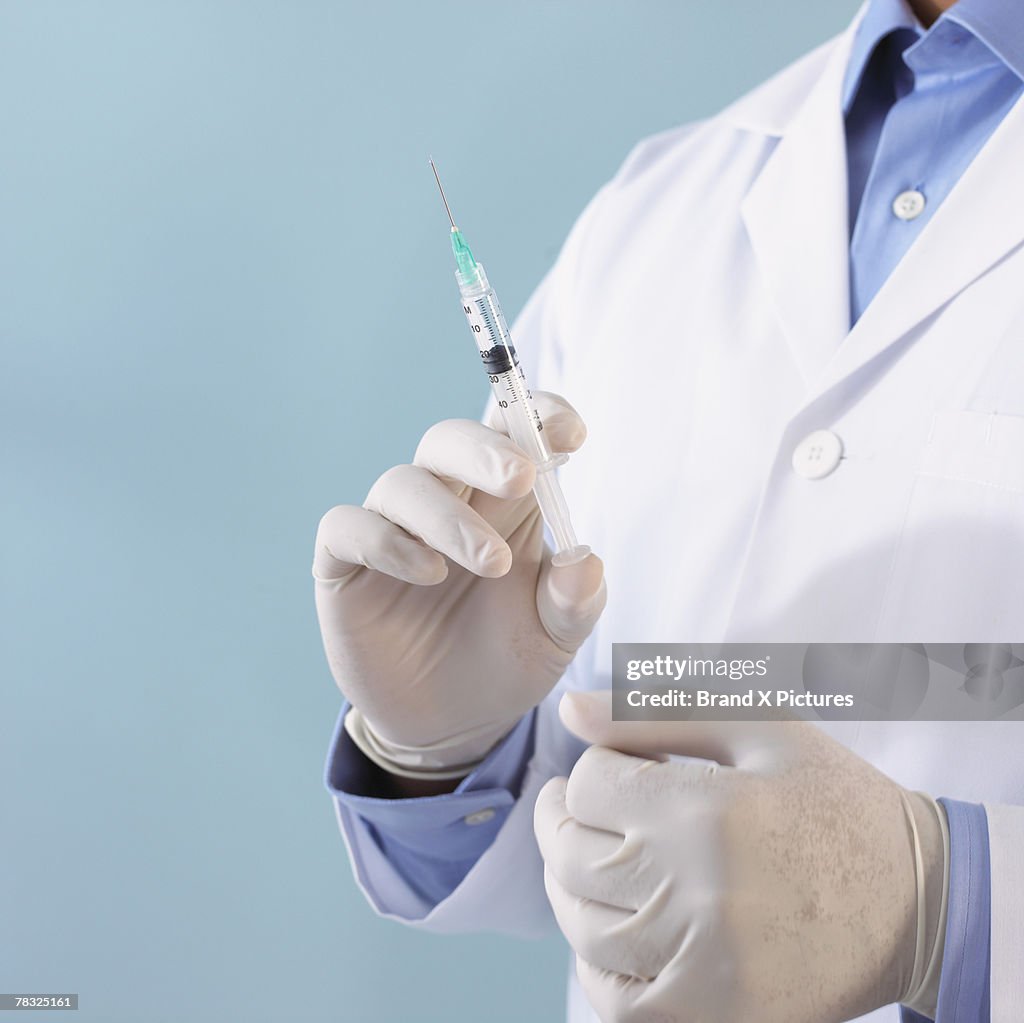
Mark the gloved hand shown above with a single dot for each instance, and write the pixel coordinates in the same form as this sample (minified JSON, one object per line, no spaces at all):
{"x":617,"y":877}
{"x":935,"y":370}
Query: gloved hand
{"x":782,"y":883}
{"x":442,"y":617}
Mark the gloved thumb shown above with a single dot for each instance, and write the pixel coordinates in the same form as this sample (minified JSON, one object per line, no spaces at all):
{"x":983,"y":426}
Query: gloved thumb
{"x":589,"y":715}
{"x":570,"y":600}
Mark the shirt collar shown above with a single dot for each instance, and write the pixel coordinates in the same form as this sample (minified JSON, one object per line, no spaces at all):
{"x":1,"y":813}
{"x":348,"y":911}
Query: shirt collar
{"x":996,"y":23}
{"x":880,"y":18}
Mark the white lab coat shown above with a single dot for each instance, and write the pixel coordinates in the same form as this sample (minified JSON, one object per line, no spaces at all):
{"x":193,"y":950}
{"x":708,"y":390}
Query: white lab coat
{"x":698,"y":317}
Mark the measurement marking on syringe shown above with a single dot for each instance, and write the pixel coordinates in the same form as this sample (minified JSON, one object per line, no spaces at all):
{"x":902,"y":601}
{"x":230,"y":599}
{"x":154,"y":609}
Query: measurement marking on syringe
{"x":489,"y":323}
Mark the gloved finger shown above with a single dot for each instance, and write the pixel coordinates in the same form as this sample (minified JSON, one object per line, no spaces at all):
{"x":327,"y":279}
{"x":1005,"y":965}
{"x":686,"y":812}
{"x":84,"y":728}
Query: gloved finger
{"x":588,"y":862}
{"x":570,"y":600}
{"x":729,"y":743}
{"x":615,"y":997}
{"x":606,"y":936}
{"x":349,"y":538}
{"x":422,"y":505}
{"x":471,"y":453}
{"x":563,"y":427}
{"x":616,"y":791}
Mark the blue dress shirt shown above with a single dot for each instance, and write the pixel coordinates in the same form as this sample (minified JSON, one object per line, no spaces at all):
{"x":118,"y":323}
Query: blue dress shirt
{"x":918,"y":106}
{"x":964,"y":984}
{"x":429,"y":843}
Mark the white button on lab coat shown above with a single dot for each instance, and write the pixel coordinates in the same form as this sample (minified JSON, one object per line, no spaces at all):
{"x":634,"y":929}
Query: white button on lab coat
{"x":817,"y":455}
{"x":698,"y":318}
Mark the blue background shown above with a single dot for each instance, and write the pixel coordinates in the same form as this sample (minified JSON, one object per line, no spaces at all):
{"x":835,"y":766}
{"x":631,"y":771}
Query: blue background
{"x":219,"y":244}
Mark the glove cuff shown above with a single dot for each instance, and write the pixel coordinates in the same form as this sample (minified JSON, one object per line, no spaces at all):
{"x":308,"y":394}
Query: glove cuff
{"x":923,"y":990}
{"x":448,"y":759}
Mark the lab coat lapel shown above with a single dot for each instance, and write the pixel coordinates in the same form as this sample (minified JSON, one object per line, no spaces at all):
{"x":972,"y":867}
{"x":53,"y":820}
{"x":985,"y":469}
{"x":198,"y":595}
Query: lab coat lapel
{"x":796,"y":219}
{"x":980,"y":221}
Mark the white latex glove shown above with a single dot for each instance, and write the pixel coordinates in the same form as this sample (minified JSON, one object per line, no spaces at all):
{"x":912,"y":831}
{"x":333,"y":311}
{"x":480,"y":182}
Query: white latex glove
{"x":780,"y":884}
{"x":442,"y":617}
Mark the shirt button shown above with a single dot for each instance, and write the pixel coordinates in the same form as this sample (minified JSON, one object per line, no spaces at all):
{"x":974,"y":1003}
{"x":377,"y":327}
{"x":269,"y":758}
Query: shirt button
{"x":480,"y":817}
{"x":817,"y":455}
{"x":908,"y":205}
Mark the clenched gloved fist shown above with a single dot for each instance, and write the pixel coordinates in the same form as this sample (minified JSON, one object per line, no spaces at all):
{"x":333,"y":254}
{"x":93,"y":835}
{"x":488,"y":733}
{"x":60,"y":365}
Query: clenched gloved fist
{"x":442,"y":617}
{"x":780,"y":878}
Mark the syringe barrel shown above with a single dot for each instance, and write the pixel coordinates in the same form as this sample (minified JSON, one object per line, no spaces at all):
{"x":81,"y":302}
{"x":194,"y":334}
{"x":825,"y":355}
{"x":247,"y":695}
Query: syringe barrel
{"x":500,"y":363}
{"x":515,"y":402}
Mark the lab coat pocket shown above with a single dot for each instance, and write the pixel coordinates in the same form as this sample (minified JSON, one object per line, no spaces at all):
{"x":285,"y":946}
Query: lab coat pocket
{"x":957,"y":573}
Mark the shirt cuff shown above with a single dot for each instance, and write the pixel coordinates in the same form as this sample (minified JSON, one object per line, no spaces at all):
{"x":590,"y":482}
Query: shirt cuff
{"x":429,"y":843}
{"x":965,"y":981}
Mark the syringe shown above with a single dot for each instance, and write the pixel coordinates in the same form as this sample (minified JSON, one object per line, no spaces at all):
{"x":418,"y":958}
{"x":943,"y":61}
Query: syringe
{"x":508,"y":382}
